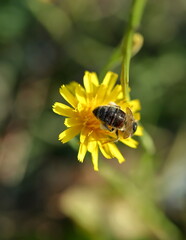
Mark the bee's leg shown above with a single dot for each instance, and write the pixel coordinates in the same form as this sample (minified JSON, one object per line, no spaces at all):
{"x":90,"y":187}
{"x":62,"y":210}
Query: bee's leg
{"x":104,"y":126}
{"x":117,"y":134}
{"x":114,"y":139}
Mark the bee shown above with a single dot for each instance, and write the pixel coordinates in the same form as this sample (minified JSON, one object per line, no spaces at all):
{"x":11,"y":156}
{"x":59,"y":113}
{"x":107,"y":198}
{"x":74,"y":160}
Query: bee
{"x":114,"y":119}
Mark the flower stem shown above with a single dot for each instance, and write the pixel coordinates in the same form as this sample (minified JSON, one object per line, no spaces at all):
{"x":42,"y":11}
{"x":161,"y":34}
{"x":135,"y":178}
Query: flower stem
{"x":133,"y":24}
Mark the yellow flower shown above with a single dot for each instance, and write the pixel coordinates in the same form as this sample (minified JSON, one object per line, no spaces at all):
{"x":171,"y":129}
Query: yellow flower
{"x":81,"y":120}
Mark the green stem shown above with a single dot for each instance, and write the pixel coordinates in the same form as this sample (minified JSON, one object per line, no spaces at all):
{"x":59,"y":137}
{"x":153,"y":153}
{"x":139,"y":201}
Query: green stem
{"x":133,"y":24}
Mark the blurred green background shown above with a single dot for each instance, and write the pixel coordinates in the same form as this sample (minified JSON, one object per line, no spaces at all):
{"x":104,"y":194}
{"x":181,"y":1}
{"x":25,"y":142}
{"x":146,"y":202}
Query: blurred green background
{"x":45,"y":193}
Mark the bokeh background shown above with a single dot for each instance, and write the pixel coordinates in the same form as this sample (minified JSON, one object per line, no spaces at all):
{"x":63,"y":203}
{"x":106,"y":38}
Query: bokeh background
{"x":45,"y":193}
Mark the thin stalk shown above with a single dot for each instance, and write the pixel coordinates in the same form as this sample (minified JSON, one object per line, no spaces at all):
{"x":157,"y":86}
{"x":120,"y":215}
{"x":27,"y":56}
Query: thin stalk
{"x":134,"y":22}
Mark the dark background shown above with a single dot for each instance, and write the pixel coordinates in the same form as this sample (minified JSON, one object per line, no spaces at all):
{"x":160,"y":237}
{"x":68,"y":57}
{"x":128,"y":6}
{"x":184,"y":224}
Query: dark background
{"x":45,"y":193}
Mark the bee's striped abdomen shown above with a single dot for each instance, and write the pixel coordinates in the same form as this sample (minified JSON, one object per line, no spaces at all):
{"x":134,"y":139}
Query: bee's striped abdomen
{"x":110,"y":115}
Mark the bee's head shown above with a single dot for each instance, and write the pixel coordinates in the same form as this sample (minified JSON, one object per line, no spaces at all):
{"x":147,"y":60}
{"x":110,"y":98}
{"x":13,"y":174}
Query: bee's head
{"x":134,"y":127}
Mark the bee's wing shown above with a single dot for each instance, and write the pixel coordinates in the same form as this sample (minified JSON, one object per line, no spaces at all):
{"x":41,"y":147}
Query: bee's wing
{"x":129,"y":112}
{"x":129,"y":124}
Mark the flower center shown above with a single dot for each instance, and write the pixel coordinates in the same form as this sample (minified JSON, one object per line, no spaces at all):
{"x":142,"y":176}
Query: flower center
{"x":88,"y":119}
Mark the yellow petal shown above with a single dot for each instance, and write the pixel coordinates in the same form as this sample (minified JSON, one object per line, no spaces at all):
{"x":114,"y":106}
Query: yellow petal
{"x":139,"y":131}
{"x":68,"y":96}
{"x":68,"y":134}
{"x":135,"y":105}
{"x":80,"y":94}
{"x":113,"y":96}
{"x":94,"y":79}
{"x":110,"y":80}
{"x":115,"y":152}
{"x":69,"y":122}
{"x":95,"y":158}
{"x":130,"y":142}
{"x":105,"y":150}
{"x":85,"y":132}
{"x":100,"y":95}
{"x":90,"y":81}
{"x":72,"y":87}
{"x":63,"y":110}
{"x":137,"y":116}
{"x":92,"y":144}
{"x":82,"y":151}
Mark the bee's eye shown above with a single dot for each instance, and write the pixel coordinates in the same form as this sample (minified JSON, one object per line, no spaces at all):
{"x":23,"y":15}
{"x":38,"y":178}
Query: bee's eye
{"x":134,"y":127}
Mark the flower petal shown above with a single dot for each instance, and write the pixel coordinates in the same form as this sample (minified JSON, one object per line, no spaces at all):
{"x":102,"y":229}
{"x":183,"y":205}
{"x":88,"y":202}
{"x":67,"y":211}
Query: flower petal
{"x":130,"y":142}
{"x":114,"y":95}
{"x":68,"y":134}
{"x":139,"y":131}
{"x":82,"y":151}
{"x":83,"y":135}
{"x":70,"y":122}
{"x":115,"y":152}
{"x":110,"y":80}
{"x":95,"y":158}
{"x":90,"y":81}
{"x":63,"y":110}
{"x":135,"y":105}
{"x":80,"y":94}
{"x":94,"y":79}
{"x":68,"y":96}
{"x":92,"y":143}
{"x":100,"y":95}
{"x":105,"y":150}
{"x":72,"y":86}
{"x":137,"y":116}
{"x":85,"y":132}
